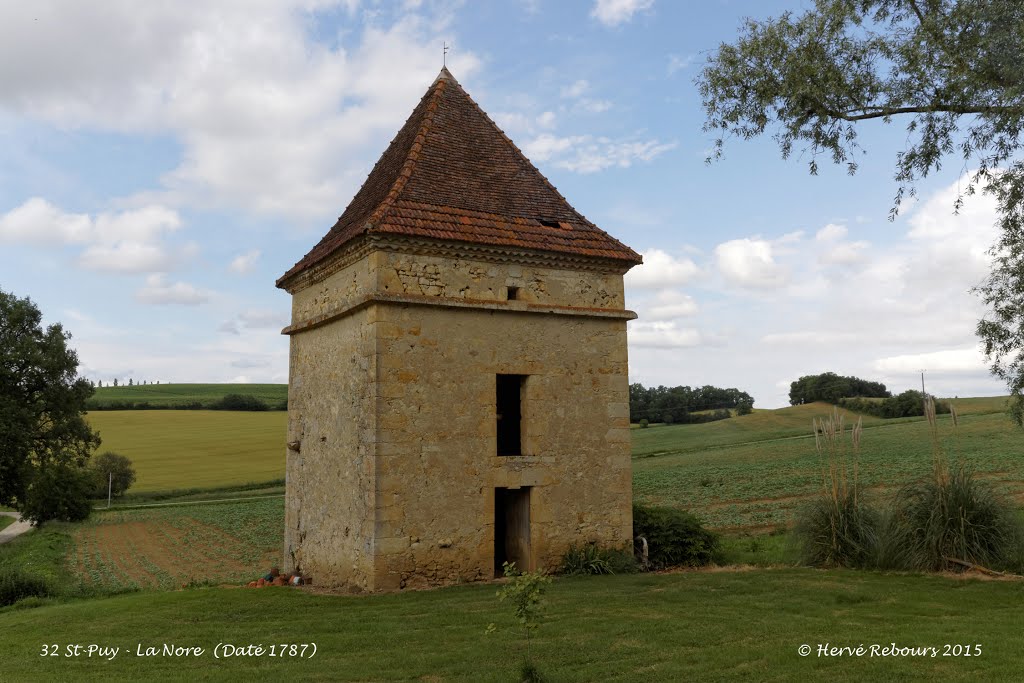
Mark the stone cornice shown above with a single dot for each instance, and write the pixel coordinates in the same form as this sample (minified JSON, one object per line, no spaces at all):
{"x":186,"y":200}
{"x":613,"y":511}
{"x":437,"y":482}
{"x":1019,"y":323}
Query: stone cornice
{"x":362,"y":246}
{"x":449,"y":302}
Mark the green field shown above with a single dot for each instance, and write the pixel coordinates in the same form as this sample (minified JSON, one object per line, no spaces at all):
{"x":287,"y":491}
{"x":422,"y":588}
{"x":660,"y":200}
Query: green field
{"x":765,"y":425}
{"x":744,"y":475}
{"x":746,"y":472}
{"x":735,"y":479}
{"x":671,"y":627}
{"x":185,"y":449}
{"x":171,"y":395}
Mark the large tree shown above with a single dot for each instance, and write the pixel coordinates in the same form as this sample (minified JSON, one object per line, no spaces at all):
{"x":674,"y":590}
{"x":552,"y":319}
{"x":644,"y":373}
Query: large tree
{"x":952,"y":69}
{"x":42,"y":403}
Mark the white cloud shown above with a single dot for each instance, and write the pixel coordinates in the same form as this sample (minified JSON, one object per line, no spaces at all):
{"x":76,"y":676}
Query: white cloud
{"x":952,"y":247}
{"x":677,"y":63}
{"x":126,"y":257}
{"x":593,"y":106}
{"x":576,"y":89}
{"x":589,"y":154}
{"x":810,"y":338}
{"x":39,"y":222}
{"x":159,"y":292}
{"x":255,"y":319}
{"x":121,"y":242}
{"x":845,"y":253}
{"x":239,"y":85}
{"x":546,"y":146}
{"x":244,"y":263}
{"x":229,"y":327}
{"x":831,"y":233}
{"x":615,"y":12}
{"x":263,"y":318}
{"x":660,"y":269}
{"x":750,"y":263}
{"x":946,"y":361}
{"x":516,"y":124}
{"x":670,"y":305}
{"x":245,"y":363}
{"x":664,"y":335}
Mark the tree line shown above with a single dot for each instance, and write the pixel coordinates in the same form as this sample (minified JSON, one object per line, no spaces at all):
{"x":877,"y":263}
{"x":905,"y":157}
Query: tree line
{"x":236,"y":402}
{"x":681,"y":405}
{"x":830,"y":388}
{"x":859,"y":395}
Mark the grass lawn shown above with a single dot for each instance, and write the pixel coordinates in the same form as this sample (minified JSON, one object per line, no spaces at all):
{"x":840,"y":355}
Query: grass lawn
{"x":166,"y":395}
{"x":184,"y":449}
{"x":6,"y":521}
{"x":672,"y":627}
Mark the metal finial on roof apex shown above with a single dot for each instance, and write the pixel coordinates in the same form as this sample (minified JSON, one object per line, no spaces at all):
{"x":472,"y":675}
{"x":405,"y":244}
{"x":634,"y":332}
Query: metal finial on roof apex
{"x":444,"y":55}
{"x":445,"y":75}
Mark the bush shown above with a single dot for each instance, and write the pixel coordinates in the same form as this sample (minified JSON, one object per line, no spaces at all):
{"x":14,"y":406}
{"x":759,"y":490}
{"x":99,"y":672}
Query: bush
{"x":109,"y":463}
{"x":838,"y":531}
{"x":240,"y":402}
{"x":644,"y":423}
{"x":594,"y":559}
{"x":674,"y":537}
{"x":15,"y":586}
{"x":59,"y":492}
{"x":838,"y":528}
{"x":951,"y":515}
{"x":908,"y":404}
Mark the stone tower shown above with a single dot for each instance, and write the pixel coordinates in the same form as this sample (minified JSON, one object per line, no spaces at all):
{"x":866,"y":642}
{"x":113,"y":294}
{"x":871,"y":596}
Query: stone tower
{"x":458,"y":390}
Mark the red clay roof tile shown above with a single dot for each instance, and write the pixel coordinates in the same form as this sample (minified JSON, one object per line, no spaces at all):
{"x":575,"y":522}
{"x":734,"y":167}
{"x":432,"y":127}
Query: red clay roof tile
{"x":451,"y":174}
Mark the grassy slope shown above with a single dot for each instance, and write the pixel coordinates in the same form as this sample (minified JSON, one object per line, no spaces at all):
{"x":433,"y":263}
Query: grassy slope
{"x":689,"y":626}
{"x":760,"y":484}
{"x":765,"y":425}
{"x":177,"y":394}
{"x":174,"y":449}
{"x":6,"y":521}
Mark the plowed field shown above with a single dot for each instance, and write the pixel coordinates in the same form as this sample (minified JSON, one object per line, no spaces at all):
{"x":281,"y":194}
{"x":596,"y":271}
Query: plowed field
{"x":168,"y":547}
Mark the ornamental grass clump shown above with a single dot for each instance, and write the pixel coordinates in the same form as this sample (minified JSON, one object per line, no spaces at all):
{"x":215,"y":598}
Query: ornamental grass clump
{"x":950,"y":519}
{"x":838,"y":528}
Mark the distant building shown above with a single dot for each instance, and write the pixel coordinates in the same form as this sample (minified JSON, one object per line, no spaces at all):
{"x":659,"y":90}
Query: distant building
{"x":458,"y":391}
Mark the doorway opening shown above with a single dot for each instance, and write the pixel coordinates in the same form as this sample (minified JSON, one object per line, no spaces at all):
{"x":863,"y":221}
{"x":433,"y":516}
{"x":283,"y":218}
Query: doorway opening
{"x":511,"y":528}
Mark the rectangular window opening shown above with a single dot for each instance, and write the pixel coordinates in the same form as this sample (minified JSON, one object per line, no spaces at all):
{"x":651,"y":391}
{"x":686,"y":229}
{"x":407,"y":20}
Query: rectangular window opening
{"x":511,"y":528}
{"x":513,"y":293}
{"x":509,"y":409}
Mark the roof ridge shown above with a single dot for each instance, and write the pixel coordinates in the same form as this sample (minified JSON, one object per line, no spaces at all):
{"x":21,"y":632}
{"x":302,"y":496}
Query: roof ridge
{"x":529,"y":164}
{"x":451,"y":155}
{"x":414,"y":151}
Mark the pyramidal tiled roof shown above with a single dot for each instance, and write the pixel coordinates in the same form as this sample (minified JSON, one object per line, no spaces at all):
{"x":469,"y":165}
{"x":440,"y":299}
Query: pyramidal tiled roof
{"x":451,"y":174}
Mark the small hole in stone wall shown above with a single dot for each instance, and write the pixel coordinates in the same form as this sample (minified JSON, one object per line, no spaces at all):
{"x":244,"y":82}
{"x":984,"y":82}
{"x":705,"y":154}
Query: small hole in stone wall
{"x":513,"y":293}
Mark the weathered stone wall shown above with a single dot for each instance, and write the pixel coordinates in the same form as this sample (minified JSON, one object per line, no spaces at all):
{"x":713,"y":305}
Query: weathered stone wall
{"x":330,"y":500}
{"x":342,"y":288}
{"x":394,"y":406}
{"x":441,"y":276}
{"x":437,"y":437}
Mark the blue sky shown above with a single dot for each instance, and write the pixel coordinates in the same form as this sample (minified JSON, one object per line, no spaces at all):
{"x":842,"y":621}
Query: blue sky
{"x":164,"y":163}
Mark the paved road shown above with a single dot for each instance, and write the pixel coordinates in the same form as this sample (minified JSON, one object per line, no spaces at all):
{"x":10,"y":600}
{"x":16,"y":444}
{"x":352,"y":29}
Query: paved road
{"x":13,"y":530}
